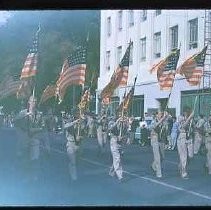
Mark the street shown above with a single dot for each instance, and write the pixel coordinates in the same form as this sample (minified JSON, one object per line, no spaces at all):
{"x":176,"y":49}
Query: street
{"x":94,"y":186}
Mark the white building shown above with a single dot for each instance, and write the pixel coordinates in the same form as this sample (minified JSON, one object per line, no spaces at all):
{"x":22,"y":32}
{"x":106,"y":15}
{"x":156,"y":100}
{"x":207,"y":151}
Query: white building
{"x":154,"y":34}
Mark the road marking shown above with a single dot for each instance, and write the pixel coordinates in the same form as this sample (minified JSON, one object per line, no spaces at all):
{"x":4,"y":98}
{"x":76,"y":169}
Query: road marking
{"x":169,"y":161}
{"x":154,"y":181}
{"x":146,"y":178}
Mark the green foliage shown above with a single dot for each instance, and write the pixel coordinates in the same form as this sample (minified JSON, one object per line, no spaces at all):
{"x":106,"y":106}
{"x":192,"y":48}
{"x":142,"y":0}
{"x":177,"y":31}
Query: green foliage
{"x":61,"y":32}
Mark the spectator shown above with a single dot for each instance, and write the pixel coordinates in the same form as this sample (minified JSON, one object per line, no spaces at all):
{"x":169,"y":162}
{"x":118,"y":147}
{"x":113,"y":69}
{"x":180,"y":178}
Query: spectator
{"x":174,"y":133}
{"x":144,"y":135}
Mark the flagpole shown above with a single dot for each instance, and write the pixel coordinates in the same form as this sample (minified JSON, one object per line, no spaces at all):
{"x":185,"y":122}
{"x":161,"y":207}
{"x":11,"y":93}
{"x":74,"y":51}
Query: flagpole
{"x":34,"y":85}
{"x":194,"y":107}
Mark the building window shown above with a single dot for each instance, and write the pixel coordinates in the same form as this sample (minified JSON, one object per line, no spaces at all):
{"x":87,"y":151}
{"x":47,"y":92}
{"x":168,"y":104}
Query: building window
{"x":173,"y":37}
{"x":193,"y":33}
{"x":157,"y":45}
{"x":120,"y":20}
{"x":131,"y":17}
{"x":143,"y":49}
{"x":108,"y":55}
{"x":143,"y":15}
{"x":131,"y":55}
{"x":109,"y":26}
{"x":157,"y":12}
{"x":119,"y":54}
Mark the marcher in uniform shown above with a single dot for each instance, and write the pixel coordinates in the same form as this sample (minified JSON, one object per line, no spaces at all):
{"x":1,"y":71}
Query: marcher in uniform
{"x":184,"y":145}
{"x":72,"y":146}
{"x":157,"y":143}
{"x":199,"y":133}
{"x":207,"y":129}
{"x":116,"y":168}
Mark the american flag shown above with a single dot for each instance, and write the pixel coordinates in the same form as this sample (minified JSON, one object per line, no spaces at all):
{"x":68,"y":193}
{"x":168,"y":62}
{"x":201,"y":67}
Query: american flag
{"x":167,"y":70}
{"x":119,"y":77}
{"x":127,"y":99}
{"x":30,"y":66}
{"x":29,"y":69}
{"x":83,"y":105}
{"x":9,"y":86}
{"x":25,"y":89}
{"x":73,"y":72}
{"x":192,"y":68}
{"x":49,"y":92}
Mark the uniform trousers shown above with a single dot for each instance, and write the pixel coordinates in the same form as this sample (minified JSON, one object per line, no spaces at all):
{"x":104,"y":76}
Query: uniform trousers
{"x":72,"y":150}
{"x":197,"y":142}
{"x":116,"y":167}
{"x":185,"y":150}
{"x":208,"y":148}
{"x":158,"y":154}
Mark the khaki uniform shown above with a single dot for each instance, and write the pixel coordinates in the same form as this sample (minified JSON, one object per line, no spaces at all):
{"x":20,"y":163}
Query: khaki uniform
{"x":72,"y":150}
{"x":115,"y":147}
{"x":158,"y":148}
{"x":90,"y":124}
{"x":156,"y":165}
{"x":207,"y":128}
{"x":116,"y":167}
{"x":185,"y":149}
{"x":198,"y":136}
{"x":35,"y":138}
{"x":104,"y":131}
{"x":100,"y":137}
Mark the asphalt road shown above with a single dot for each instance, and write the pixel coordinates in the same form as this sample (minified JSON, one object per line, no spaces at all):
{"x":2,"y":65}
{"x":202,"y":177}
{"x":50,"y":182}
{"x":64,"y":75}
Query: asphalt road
{"x":94,"y":186}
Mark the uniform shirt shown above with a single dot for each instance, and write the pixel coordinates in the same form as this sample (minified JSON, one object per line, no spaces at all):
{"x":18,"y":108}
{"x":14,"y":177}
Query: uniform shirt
{"x":207,"y":128}
{"x":200,"y":126}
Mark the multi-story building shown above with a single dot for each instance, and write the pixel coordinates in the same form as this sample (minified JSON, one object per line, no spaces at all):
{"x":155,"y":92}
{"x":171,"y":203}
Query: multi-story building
{"x":154,"y":33}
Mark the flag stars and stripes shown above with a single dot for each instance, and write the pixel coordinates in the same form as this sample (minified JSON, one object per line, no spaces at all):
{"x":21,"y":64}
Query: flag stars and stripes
{"x":192,"y":68}
{"x":73,"y":72}
{"x":119,"y":77}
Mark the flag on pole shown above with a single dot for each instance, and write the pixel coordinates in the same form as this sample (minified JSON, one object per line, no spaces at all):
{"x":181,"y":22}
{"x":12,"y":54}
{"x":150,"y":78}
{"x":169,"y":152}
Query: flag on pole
{"x":192,"y":68}
{"x":119,"y":77}
{"x":167,"y":69}
{"x":29,"y":69}
{"x":83,"y":105}
{"x":32,"y":103}
{"x":9,"y":86}
{"x":73,"y":72}
{"x":127,"y":99}
{"x":49,"y":92}
{"x":30,"y":66}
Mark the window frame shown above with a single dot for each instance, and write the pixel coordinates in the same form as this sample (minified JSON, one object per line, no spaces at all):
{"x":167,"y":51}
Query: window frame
{"x":173,"y":41}
{"x":109,"y":26}
{"x":157,"y":46}
{"x":193,"y":38}
{"x":107,"y":60}
{"x":143,"y":49}
{"x":120,"y":20}
{"x":143,"y":15}
{"x":119,"y":55}
{"x":131,"y":18}
{"x":158,"y":12}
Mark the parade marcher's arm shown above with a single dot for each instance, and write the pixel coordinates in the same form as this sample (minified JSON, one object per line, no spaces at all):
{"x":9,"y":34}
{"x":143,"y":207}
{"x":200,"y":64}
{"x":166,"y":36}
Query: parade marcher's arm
{"x":161,"y":120}
{"x":188,"y":119}
{"x":69,"y":124}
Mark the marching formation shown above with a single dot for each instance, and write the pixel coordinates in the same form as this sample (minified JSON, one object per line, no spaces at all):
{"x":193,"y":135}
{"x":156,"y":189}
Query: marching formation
{"x":187,"y":134}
